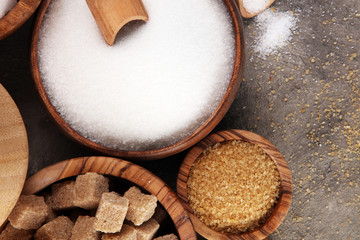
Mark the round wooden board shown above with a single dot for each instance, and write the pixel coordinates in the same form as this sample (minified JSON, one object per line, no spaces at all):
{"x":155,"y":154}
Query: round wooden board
{"x":14,"y":154}
{"x":117,"y":168}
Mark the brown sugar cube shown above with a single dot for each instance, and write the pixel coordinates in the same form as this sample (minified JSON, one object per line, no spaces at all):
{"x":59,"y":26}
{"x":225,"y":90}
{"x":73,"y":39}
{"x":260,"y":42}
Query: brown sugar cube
{"x":51,"y":215}
{"x":29,"y":212}
{"x":84,"y":229}
{"x":62,"y":196}
{"x":167,"y":237}
{"x":127,"y":233}
{"x":111,"y":213}
{"x":88,"y":190}
{"x":11,"y":233}
{"x":141,"y":206}
{"x":58,"y":229}
{"x":147,"y":230}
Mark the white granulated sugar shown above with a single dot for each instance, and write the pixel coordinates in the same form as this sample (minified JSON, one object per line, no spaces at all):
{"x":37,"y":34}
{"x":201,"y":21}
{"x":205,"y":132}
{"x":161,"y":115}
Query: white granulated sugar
{"x":255,"y":6}
{"x":157,"y":84}
{"x":275,"y":30}
{"x":6,"y":6}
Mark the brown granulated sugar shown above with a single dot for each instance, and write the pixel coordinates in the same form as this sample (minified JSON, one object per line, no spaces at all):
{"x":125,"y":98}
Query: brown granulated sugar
{"x":233,"y":186}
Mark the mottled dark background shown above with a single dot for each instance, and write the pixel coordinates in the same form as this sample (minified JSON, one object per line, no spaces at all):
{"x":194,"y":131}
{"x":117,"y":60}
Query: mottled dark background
{"x":305,"y":100}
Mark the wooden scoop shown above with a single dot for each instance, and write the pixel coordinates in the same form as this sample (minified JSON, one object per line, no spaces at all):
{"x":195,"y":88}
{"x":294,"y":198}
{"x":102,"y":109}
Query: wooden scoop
{"x":112,"y":15}
{"x":247,"y":14}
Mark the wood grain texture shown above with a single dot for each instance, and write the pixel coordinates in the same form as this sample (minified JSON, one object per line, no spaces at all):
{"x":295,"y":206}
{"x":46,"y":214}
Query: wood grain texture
{"x":14,"y":154}
{"x":247,"y":14}
{"x":112,"y":15}
{"x":118,"y":168}
{"x":187,"y":142}
{"x":285,"y":195}
{"x":17,"y":17}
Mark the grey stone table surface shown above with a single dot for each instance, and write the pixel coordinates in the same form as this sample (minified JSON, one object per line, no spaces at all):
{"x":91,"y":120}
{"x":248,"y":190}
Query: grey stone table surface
{"x":305,"y":99}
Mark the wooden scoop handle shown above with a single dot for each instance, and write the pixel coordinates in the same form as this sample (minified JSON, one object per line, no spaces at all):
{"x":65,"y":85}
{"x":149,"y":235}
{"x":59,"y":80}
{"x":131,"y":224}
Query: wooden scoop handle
{"x":112,"y":15}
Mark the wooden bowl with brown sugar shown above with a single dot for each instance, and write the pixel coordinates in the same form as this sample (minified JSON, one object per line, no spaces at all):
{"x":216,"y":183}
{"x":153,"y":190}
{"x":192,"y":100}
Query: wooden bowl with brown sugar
{"x":192,"y":138}
{"x":17,"y":17}
{"x":121,"y":169}
{"x":280,"y":206}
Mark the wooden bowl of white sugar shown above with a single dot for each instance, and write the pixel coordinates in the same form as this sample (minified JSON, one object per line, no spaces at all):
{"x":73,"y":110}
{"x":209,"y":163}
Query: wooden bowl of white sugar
{"x":161,"y":88}
{"x":13,"y":14}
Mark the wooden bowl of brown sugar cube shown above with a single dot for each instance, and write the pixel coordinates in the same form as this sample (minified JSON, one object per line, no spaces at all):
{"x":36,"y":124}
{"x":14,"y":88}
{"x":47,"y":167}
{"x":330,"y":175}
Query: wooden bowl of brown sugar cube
{"x":97,"y":198}
{"x":235,"y":185}
{"x":17,"y":15}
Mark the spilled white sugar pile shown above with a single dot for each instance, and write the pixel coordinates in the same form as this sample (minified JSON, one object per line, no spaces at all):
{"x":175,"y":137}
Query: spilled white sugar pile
{"x":255,"y":6}
{"x":157,"y":84}
{"x":275,"y":30}
{"x":6,"y":6}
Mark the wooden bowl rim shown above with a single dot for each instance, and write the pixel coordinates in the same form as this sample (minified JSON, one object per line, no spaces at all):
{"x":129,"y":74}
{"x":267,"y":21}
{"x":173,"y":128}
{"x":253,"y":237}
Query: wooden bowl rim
{"x":183,"y":144}
{"x":117,"y":168}
{"x":17,"y":16}
{"x":281,"y":208}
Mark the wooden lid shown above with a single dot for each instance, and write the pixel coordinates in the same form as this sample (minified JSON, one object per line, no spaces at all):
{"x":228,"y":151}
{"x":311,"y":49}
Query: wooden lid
{"x":14,"y":154}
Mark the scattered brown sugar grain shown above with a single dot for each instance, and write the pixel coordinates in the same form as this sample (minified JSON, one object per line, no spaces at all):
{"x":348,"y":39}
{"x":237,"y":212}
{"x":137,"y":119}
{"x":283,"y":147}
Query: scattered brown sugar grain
{"x":233,"y":186}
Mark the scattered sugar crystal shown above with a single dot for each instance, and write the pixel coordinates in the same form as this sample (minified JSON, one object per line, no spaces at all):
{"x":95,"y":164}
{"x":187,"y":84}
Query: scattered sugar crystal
{"x":6,"y":6}
{"x":275,"y":30}
{"x":159,"y":82}
{"x":255,"y":6}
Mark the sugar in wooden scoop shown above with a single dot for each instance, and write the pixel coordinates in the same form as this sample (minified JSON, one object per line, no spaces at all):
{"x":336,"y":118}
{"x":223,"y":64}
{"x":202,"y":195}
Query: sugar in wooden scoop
{"x":157,"y":84}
